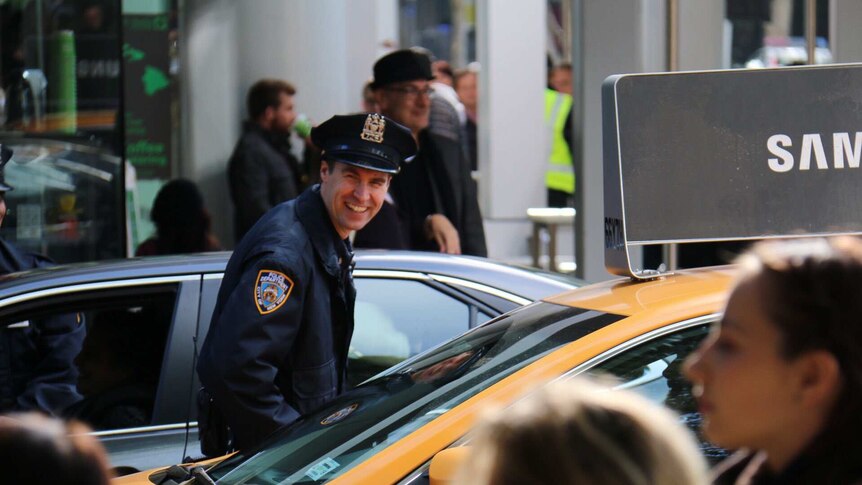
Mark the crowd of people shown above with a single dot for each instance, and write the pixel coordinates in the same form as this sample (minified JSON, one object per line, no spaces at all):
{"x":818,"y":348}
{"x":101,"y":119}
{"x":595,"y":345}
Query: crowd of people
{"x":431,"y":206}
{"x":779,"y":379}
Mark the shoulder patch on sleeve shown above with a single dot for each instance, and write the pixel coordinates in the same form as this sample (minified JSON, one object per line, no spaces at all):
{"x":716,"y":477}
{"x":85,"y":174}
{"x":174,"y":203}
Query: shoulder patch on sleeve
{"x":271,"y":290}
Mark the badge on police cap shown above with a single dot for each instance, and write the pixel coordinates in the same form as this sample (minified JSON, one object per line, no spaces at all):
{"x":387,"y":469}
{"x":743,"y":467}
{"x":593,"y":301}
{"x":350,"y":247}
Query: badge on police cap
{"x":271,"y":290}
{"x":358,"y":140}
{"x":374,"y":127}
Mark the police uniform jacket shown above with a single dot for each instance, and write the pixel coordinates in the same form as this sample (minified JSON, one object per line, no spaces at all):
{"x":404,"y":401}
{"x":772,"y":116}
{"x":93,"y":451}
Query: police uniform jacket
{"x":278,"y":340}
{"x":36,"y":361}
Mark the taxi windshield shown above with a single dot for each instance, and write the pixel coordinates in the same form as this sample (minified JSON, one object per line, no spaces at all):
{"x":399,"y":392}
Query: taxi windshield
{"x":382,"y":410}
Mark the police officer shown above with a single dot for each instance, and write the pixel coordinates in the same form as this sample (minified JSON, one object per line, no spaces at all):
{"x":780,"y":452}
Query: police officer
{"x":36,"y":361}
{"x":277,"y":344}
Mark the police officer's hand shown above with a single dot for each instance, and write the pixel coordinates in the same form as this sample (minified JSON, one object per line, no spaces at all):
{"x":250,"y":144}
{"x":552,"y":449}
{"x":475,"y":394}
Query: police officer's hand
{"x":439,"y":228}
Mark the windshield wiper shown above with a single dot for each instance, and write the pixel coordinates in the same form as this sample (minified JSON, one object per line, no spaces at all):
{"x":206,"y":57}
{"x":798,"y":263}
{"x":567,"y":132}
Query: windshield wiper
{"x":200,"y":476}
{"x":179,"y":474}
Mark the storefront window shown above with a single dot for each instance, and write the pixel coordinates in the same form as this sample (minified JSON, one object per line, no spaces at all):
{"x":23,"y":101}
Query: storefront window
{"x":88,"y":104}
{"x":60,"y":77}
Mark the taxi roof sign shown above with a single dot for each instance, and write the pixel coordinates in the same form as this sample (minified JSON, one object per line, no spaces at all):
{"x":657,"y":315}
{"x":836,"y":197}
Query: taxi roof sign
{"x":730,"y":155}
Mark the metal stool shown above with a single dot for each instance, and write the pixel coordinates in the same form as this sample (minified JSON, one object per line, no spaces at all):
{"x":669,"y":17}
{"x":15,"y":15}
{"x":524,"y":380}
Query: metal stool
{"x":548,"y":218}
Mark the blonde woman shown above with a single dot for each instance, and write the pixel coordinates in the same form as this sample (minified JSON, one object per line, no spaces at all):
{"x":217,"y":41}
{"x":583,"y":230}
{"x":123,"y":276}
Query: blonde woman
{"x":579,"y":432}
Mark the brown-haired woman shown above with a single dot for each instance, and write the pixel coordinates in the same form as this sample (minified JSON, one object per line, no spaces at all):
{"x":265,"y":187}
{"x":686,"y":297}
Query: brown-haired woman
{"x":37,"y":450}
{"x":780,"y":378}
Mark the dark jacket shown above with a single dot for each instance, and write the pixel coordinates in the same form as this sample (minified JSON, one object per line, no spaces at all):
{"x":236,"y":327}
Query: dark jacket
{"x":384,"y":231}
{"x":36,"y":360}
{"x":265,"y":361}
{"x":749,"y":468}
{"x":437,"y":181}
{"x":262,"y":173}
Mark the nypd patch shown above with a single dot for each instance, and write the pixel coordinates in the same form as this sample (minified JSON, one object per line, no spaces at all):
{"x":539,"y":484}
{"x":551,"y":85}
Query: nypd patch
{"x":271,"y":290}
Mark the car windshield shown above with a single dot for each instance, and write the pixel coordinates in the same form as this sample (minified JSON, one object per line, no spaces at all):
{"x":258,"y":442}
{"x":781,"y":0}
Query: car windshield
{"x":374,"y":415}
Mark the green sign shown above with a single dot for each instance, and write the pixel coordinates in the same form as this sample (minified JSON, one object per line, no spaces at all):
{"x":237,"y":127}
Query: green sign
{"x":144,"y":7}
{"x":147,"y":97}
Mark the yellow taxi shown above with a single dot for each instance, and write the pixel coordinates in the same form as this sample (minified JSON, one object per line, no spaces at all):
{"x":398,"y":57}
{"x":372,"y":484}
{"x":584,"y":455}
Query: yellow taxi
{"x":390,"y":428}
{"x":686,"y":158}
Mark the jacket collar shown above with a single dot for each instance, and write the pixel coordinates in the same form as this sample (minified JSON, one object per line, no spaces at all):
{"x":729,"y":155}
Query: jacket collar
{"x":327,"y":244}
{"x":275,"y":139}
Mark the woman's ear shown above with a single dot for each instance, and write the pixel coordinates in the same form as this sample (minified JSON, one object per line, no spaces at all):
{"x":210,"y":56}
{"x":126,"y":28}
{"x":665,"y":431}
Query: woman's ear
{"x":819,"y":379}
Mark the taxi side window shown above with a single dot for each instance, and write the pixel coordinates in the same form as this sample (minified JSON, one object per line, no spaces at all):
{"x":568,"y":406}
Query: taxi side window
{"x":118,"y":365}
{"x":398,"y":318}
{"x":654,"y":370}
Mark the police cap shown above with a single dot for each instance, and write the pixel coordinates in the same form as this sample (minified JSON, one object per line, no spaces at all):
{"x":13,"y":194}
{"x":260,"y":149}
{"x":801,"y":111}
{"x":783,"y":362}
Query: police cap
{"x":5,"y":156}
{"x":368,"y":140}
{"x":401,"y":65}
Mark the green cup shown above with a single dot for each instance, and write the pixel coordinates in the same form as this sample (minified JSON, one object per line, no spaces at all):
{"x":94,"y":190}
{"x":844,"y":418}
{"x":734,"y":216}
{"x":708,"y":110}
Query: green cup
{"x":302,"y":125}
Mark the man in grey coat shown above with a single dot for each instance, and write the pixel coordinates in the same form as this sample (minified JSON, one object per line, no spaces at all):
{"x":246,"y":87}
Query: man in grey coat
{"x":262,"y":171}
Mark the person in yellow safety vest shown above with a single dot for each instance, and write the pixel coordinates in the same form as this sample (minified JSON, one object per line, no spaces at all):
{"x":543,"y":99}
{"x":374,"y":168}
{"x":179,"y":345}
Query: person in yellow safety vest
{"x":560,"y":174}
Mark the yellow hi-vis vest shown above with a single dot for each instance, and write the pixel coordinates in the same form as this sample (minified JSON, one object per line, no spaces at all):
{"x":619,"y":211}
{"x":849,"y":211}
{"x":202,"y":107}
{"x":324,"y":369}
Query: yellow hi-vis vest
{"x":560,"y":174}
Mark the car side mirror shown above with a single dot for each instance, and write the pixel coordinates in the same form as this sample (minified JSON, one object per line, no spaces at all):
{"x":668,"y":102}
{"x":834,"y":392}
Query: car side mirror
{"x":446,"y":465}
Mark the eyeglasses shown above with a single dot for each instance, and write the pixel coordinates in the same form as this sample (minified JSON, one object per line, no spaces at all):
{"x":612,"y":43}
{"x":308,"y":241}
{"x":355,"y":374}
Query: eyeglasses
{"x":412,"y":91}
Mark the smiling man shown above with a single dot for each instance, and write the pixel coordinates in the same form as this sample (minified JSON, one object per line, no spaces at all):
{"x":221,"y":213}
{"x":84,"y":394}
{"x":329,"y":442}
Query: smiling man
{"x":434,"y":197}
{"x":277,"y":343}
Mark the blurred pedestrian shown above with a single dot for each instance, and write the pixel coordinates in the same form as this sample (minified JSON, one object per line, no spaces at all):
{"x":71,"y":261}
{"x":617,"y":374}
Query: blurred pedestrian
{"x":282,"y":324}
{"x":38,"y":450}
{"x":560,"y":78}
{"x":443,"y":86}
{"x":466,"y":86}
{"x":182,"y":222}
{"x":780,"y":377}
{"x":578,"y":432}
{"x":369,"y":104}
{"x":262,"y":171}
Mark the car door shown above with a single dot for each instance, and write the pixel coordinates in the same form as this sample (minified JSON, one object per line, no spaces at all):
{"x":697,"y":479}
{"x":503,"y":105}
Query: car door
{"x":400,"y":313}
{"x":153,"y":418}
{"x":651,"y":365}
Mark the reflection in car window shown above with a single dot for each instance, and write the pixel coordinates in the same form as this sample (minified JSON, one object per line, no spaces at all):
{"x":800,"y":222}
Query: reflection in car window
{"x":396,"y":319}
{"x":119,"y":366}
{"x":654,"y":369}
{"x":67,"y":201}
{"x":366,"y":420}
{"x":119,"y":363}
